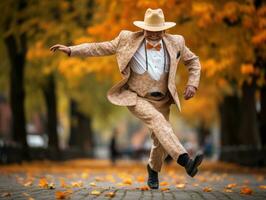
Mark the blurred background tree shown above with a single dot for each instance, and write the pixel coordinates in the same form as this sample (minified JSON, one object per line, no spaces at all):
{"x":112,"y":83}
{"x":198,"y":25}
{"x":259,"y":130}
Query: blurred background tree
{"x":228,"y":36}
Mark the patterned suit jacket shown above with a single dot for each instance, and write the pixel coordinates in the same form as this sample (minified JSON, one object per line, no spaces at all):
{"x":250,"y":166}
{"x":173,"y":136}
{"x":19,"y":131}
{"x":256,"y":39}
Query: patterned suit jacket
{"x":124,"y":46}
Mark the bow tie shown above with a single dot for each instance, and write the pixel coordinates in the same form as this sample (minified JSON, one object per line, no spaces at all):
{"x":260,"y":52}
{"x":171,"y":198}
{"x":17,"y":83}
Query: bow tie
{"x":157,"y":47}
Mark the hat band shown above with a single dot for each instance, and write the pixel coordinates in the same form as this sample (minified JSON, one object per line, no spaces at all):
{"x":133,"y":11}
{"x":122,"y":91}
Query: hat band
{"x":155,"y":25}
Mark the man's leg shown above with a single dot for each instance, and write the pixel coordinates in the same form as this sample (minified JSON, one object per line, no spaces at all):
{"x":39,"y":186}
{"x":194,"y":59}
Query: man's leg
{"x":161,"y":128}
{"x":158,"y":153}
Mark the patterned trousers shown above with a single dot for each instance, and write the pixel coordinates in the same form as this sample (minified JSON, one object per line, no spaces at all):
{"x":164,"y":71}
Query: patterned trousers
{"x":155,"y":114}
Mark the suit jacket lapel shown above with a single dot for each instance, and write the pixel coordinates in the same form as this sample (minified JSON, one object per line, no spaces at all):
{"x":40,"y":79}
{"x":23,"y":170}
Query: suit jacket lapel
{"x":172,"y":54}
{"x":133,"y":45}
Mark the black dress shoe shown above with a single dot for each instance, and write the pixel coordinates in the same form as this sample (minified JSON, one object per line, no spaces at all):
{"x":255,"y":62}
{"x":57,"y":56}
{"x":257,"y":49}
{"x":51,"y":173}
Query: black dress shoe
{"x":192,"y":165}
{"x":153,"y":181}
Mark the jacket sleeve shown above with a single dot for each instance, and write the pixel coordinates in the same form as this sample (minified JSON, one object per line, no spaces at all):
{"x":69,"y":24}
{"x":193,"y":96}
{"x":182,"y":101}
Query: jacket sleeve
{"x":95,"y":48}
{"x":192,"y":62}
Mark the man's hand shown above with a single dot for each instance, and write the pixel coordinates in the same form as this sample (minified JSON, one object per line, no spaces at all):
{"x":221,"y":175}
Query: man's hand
{"x":61,"y":47}
{"x":189,"y":92}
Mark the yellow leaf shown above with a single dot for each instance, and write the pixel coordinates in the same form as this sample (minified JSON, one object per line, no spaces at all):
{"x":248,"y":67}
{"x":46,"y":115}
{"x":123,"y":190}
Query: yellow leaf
{"x":84,"y":175}
{"x":77,"y":184}
{"x":95,"y":192}
{"x":262,"y":187}
{"x":92,"y":184}
{"x":180,"y":185}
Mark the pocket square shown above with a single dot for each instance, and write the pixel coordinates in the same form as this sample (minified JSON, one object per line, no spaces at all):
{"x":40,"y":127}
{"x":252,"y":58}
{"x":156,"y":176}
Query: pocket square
{"x":178,"y":54}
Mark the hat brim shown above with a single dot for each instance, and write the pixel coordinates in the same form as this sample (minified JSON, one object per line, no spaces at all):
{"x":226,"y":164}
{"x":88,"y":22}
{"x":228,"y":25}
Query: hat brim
{"x":142,"y":25}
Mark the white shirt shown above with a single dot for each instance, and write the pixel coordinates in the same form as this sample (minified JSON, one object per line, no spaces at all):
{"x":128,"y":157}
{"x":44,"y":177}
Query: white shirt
{"x":155,"y":61}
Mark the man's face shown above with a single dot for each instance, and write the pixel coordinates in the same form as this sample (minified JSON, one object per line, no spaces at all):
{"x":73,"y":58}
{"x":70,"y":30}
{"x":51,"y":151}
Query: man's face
{"x":153,"y":35}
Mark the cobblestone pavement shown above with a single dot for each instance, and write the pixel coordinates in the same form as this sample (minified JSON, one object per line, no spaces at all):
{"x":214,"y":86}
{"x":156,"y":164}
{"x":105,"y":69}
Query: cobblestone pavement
{"x":93,"y":180}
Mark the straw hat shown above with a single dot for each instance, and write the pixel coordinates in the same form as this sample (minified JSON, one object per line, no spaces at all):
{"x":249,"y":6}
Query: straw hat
{"x":154,"y":21}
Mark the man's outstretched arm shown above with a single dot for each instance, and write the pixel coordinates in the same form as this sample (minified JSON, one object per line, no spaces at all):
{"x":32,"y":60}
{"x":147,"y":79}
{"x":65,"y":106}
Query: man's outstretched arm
{"x":90,"y":49}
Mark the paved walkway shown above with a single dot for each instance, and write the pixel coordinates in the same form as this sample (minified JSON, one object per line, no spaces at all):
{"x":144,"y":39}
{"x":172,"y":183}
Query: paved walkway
{"x":91,"y":179}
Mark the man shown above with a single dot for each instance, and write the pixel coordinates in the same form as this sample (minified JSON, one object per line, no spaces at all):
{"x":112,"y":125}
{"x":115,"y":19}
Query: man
{"x":148,"y":61}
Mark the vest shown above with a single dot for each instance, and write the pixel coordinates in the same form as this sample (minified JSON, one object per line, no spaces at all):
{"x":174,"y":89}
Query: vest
{"x":148,"y":88}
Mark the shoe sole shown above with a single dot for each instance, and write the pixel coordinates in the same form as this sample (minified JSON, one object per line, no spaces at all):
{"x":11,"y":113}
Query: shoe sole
{"x":197,"y":162}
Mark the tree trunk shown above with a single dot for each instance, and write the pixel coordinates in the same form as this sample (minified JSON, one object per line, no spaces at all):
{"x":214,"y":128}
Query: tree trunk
{"x":81,"y":135}
{"x":16,"y":55}
{"x":249,"y":126}
{"x":49,"y":91}
{"x":229,"y":117}
{"x":262,"y":115}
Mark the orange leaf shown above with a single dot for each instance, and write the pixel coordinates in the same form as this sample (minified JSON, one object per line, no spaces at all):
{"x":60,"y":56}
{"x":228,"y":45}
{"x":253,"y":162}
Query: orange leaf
{"x":246,"y":190}
{"x":164,"y":183}
{"x":144,"y":188}
{"x":140,"y":179}
{"x":207,"y":189}
{"x":43,"y":183}
{"x":164,"y":189}
{"x":127,"y":181}
{"x":62,"y":194}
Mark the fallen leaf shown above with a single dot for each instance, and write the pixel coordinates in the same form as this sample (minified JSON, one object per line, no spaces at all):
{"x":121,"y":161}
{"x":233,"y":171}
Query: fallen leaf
{"x":6,"y":194}
{"x":231,"y":185}
{"x":95,"y":192}
{"x":77,"y":184}
{"x":164,"y":183}
{"x":92,"y":184}
{"x":144,"y":188}
{"x":246,"y":190}
{"x":164,"y":189}
{"x":84,"y":175}
{"x":207,"y":189}
{"x":180,"y":185}
{"x":228,"y":190}
{"x":63,"y":194}
{"x":262,"y":187}
{"x":127,"y":181}
{"x":43,"y":183}
{"x":140,"y":179}
{"x":30,"y":198}
{"x":51,"y":186}
{"x":98,"y":179}
{"x":110,"y":194}
{"x":25,"y":194}
{"x":28,"y":183}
